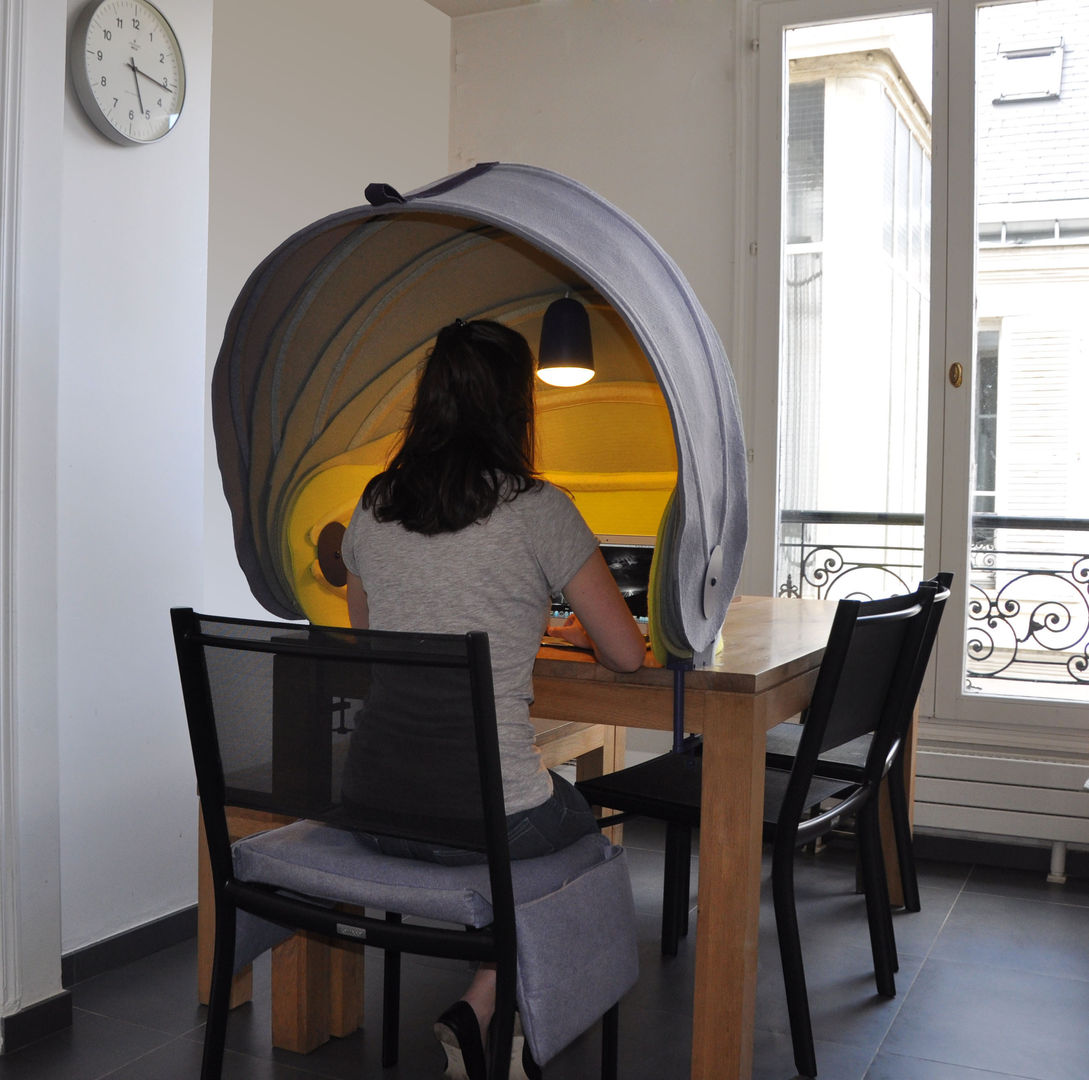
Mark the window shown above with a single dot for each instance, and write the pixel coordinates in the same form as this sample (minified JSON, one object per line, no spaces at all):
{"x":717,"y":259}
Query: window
{"x":1029,"y":71}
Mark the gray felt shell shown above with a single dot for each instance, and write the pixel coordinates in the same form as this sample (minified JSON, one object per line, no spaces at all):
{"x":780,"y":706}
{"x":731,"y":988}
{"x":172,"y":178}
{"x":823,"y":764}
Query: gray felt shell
{"x":283,"y":386}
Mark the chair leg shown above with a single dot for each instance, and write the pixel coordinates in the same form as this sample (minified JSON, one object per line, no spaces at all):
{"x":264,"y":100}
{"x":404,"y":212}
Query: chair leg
{"x":878,"y":913}
{"x":219,"y":996}
{"x":610,"y":1042}
{"x":675,"y":887}
{"x":501,"y":1029}
{"x":391,"y":1000}
{"x":905,"y":850}
{"x":790,"y":952}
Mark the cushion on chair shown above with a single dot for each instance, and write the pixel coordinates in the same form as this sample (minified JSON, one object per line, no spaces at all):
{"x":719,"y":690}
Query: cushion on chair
{"x":329,"y":863}
{"x":577,"y":954}
{"x":575,"y":917}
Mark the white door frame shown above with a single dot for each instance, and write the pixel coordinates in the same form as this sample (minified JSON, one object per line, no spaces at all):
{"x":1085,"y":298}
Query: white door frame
{"x":32,"y":39}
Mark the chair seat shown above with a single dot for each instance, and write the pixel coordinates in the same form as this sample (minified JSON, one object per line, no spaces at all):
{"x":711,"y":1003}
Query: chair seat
{"x":845,"y":762}
{"x":331,"y":864}
{"x":668,"y":788}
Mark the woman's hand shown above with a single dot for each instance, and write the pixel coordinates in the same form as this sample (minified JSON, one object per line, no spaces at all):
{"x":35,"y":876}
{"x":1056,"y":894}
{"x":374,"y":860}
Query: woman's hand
{"x":571,"y":631}
{"x":602,"y":621}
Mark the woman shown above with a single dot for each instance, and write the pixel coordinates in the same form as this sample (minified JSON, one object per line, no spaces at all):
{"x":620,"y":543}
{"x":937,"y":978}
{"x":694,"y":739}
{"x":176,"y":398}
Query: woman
{"x":460,"y":534}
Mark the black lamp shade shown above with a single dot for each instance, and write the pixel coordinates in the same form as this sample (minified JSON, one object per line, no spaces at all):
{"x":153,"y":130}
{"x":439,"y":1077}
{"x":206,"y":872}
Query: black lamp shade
{"x":566,"y":353}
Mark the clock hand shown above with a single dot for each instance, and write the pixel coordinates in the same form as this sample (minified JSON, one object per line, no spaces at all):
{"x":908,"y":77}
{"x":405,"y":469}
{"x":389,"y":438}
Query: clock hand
{"x":150,"y":78}
{"x":135,"y":69}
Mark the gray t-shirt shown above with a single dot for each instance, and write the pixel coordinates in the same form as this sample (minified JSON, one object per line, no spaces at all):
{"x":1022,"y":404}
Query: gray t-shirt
{"x":495,"y":575}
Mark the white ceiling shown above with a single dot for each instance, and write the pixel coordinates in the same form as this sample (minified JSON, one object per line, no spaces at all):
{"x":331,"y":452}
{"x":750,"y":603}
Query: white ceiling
{"x":454,"y":8}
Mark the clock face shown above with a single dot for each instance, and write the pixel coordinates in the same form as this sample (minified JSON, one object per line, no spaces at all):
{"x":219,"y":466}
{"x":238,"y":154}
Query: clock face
{"x":128,"y":70}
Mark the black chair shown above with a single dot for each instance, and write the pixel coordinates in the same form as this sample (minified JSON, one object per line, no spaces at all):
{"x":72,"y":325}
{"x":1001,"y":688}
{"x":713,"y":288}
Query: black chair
{"x":419,"y":763}
{"x":848,"y":762}
{"x":861,"y":691}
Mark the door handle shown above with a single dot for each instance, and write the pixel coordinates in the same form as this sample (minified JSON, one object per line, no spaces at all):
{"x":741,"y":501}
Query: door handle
{"x":956,"y":374}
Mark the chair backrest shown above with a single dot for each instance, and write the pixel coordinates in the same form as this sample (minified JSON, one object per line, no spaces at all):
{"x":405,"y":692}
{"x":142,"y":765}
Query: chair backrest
{"x":390,"y":733}
{"x":863,"y":685}
{"x":941,"y":585}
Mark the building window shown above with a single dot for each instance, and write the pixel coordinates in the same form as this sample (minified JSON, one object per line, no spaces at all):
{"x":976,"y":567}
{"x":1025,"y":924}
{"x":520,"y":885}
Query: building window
{"x":1029,"y":71}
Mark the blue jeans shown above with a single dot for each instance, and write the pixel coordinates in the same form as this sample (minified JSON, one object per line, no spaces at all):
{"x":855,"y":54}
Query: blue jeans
{"x":542,"y":830}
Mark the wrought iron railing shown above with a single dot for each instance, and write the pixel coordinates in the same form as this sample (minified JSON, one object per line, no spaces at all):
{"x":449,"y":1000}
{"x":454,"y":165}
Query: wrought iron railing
{"x":1028,"y":587}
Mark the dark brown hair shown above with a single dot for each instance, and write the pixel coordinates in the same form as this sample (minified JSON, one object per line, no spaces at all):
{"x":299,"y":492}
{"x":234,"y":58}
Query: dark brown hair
{"x":468,"y":444}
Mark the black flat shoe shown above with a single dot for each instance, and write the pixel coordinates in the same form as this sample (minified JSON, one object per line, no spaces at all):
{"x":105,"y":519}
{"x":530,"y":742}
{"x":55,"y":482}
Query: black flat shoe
{"x":459,"y":1035}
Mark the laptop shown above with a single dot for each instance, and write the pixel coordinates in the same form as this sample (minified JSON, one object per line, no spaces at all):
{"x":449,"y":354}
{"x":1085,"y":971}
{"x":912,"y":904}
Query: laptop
{"x":628,"y":559}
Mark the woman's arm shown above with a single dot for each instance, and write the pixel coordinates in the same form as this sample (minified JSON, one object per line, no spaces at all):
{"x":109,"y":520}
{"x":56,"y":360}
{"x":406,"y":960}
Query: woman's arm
{"x":358,"y":612}
{"x":603,"y":621}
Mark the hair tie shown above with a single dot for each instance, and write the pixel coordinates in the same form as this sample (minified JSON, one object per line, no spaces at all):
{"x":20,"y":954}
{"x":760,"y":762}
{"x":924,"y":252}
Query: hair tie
{"x":460,"y":323}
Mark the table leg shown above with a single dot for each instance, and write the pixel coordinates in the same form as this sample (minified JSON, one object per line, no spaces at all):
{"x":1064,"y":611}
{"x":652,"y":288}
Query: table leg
{"x":731,"y":816}
{"x":300,"y":998}
{"x":317,"y":986}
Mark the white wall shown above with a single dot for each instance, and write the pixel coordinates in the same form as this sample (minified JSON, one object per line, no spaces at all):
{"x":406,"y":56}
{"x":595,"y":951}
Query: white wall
{"x":368,"y":98}
{"x":361,"y":93}
{"x":635,"y":100}
{"x":130,"y":451}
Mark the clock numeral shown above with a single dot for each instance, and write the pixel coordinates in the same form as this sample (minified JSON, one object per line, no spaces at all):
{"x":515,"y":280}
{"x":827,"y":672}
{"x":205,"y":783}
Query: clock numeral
{"x":136,"y":24}
{"x":108,"y":35}
{"x":159,"y":103}
{"x":162,"y":58}
{"x":147,"y":114}
{"x":132,"y":114}
{"x":120,"y":24}
{"x":102,"y":81}
{"x":166,"y":85}
{"x":100,"y":54}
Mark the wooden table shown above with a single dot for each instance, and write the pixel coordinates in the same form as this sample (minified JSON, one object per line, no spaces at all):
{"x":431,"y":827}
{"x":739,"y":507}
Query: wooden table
{"x":762,"y":673}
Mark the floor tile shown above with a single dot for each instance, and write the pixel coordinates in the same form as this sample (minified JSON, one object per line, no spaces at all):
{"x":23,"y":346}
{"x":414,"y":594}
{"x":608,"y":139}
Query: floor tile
{"x":895,"y":1067}
{"x":180,"y":1060}
{"x":993,"y":985}
{"x":1027,"y":935}
{"x":158,"y":991}
{"x":773,"y":1055}
{"x":994,"y":1018}
{"x":1028,"y":885}
{"x":88,"y":1050}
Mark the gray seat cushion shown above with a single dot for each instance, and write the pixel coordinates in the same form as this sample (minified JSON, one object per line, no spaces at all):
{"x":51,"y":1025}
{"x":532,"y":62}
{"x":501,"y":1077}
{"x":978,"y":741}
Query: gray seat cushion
{"x":577,"y":949}
{"x":332,"y":864}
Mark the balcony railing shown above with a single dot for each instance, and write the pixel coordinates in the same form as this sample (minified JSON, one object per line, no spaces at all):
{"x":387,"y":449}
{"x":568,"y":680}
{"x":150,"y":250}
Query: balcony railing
{"x":1028,"y":587}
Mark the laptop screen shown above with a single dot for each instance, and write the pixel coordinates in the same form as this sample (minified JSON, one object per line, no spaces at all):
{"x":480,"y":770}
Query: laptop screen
{"x":628,"y":559}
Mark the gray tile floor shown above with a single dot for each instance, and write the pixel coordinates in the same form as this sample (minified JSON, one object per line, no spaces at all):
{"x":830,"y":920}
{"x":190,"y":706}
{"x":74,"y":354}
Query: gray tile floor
{"x":993,"y":983}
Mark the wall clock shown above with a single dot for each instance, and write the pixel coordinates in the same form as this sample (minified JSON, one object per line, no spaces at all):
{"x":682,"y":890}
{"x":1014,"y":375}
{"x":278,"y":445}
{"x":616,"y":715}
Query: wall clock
{"x":128,"y":70}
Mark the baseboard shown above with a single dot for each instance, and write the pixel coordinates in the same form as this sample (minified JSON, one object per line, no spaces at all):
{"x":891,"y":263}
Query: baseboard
{"x":35,"y":1022}
{"x":131,"y":945}
{"x":1006,"y":855}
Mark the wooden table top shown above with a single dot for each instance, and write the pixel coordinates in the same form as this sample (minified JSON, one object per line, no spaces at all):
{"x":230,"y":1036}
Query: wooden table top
{"x":764,"y":641}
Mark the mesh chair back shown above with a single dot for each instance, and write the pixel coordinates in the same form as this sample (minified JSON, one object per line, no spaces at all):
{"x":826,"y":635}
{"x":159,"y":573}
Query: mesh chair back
{"x":383,"y":732}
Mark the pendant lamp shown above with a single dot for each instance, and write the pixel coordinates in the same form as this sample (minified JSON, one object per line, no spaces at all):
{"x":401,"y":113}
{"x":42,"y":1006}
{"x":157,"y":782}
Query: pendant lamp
{"x":566,"y":353}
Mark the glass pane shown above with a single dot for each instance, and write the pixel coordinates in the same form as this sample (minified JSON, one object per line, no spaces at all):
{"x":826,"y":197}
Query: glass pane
{"x":1028,"y":620}
{"x":855,"y":307}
